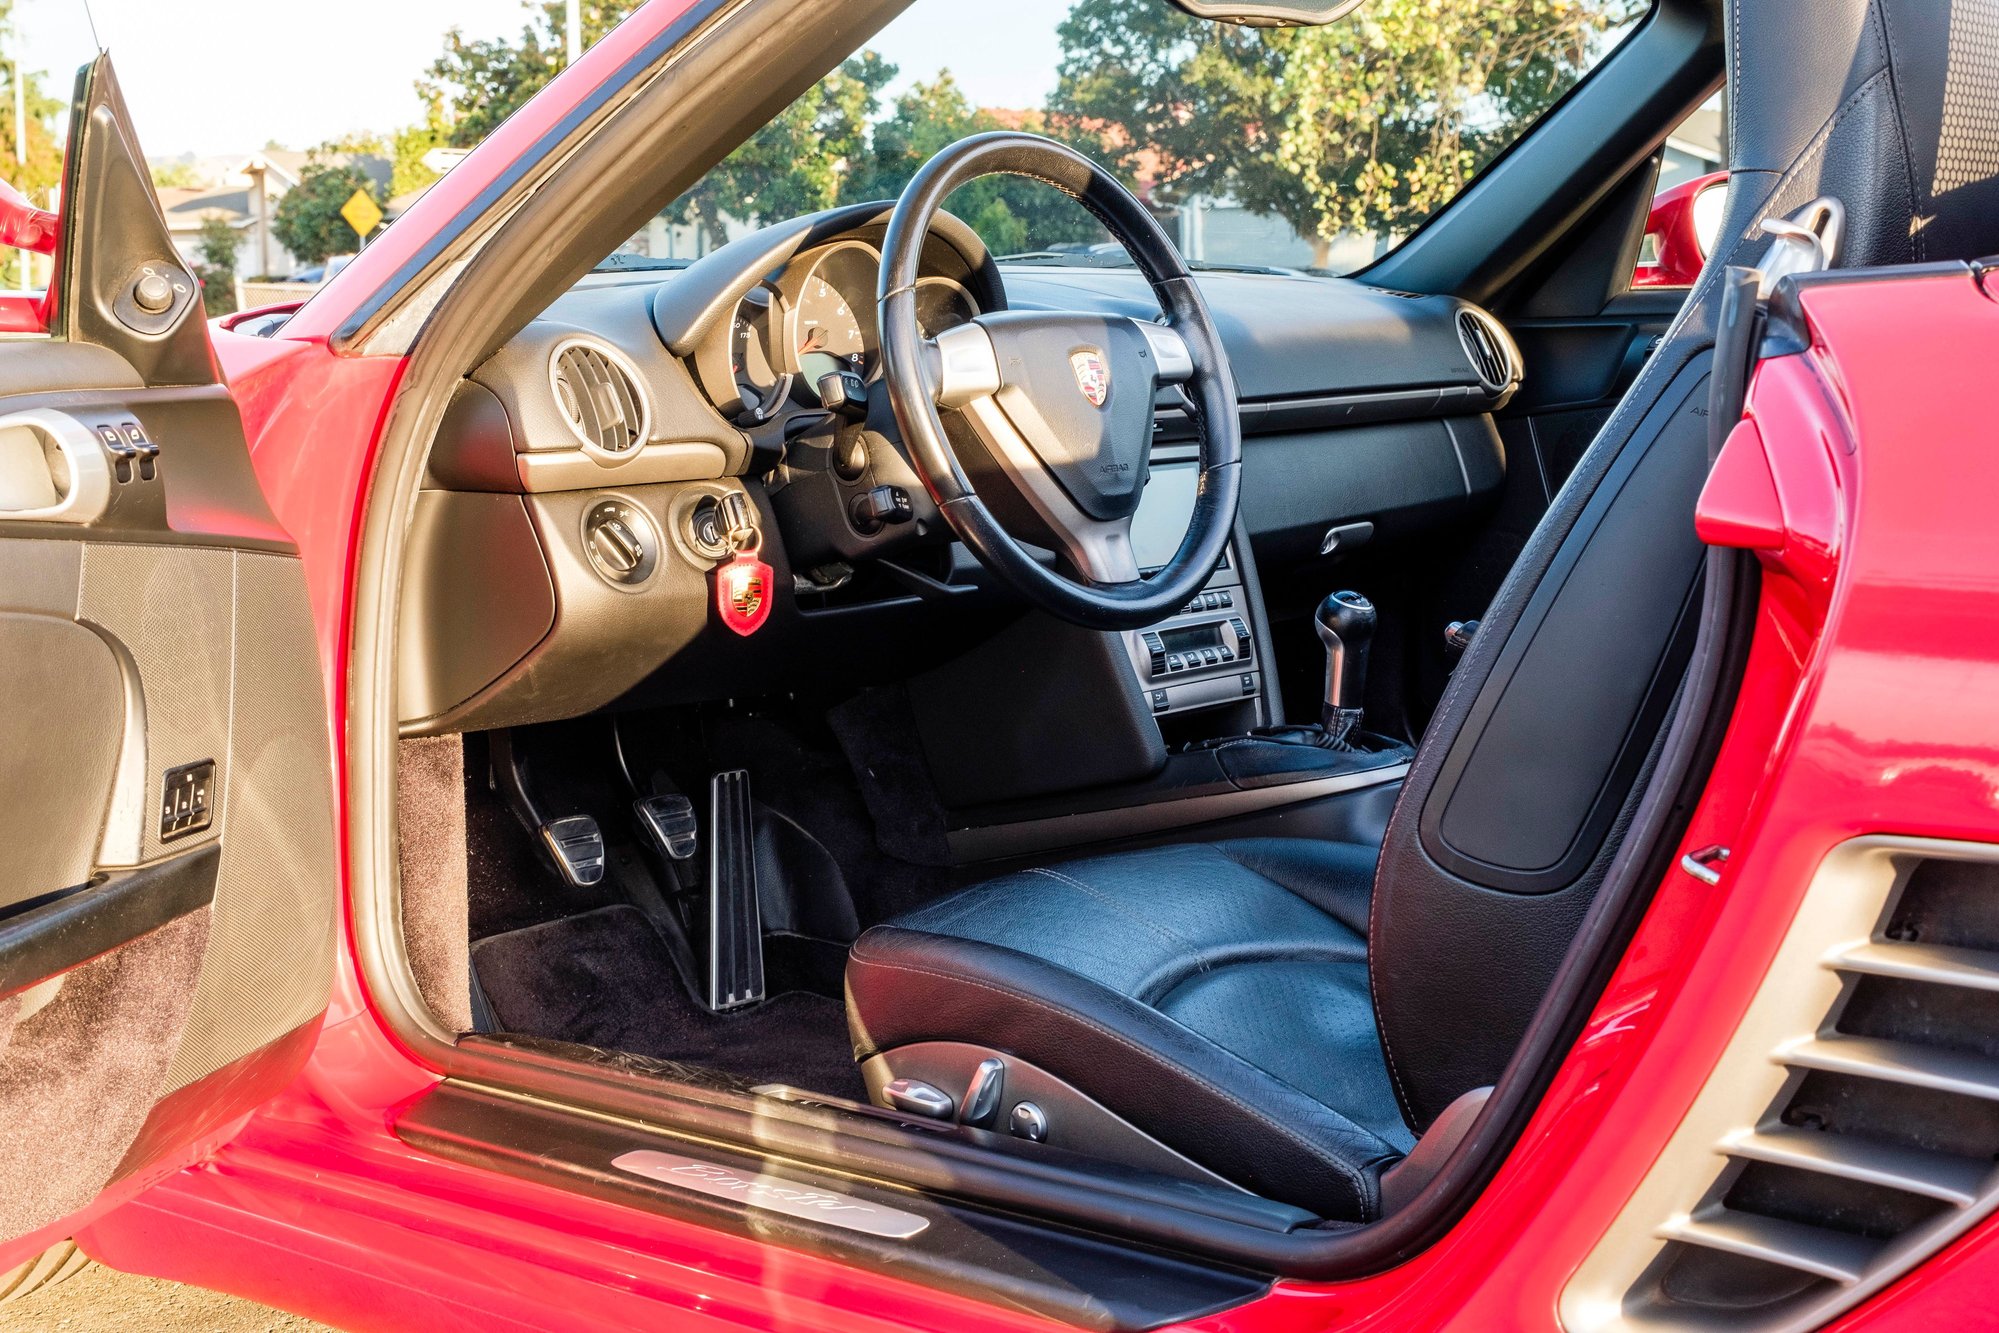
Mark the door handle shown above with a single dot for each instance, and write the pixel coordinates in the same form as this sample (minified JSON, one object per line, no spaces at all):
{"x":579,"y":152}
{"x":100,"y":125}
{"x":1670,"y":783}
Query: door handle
{"x":52,"y":469}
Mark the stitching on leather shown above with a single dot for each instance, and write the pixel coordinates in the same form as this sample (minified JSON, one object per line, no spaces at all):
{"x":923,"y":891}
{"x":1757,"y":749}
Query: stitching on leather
{"x":1262,"y":873}
{"x":1163,"y":932}
{"x":1918,"y":246}
{"x":1735,"y":79}
{"x":1815,"y":149}
{"x":1361,"y":1184}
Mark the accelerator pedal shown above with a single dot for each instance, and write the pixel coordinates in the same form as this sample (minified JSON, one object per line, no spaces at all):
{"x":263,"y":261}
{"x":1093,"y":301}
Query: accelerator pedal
{"x":735,"y":922}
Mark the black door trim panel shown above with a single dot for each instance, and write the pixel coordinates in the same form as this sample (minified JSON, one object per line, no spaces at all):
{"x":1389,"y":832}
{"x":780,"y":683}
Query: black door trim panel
{"x":47,"y":936}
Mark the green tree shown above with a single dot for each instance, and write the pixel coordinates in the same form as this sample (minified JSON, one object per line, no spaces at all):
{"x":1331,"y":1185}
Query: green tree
{"x":409,"y":145}
{"x":478,"y":84}
{"x":175,"y":175}
{"x":217,"y":269}
{"x":798,"y":163}
{"x":1392,"y":112}
{"x":1365,"y":125}
{"x":1009,"y":212}
{"x":42,"y":171}
{"x":308,"y":221}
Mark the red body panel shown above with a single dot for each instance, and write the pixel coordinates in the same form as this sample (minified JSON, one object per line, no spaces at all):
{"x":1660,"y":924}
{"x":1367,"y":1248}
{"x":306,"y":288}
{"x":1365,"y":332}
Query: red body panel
{"x":1871,"y":705}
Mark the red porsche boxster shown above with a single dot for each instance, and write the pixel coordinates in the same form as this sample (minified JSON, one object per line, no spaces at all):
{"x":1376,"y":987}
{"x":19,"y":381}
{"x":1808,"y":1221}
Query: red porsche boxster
{"x":1034,"y":745}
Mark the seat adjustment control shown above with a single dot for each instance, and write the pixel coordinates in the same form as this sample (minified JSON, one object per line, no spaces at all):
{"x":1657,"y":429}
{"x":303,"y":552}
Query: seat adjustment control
{"x":982,"y":1097}
{"x":915,"y":1097}
{"x":1028,"y":1122}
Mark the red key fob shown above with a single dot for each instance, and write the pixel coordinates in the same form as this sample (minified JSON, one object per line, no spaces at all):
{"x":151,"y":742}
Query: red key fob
{"x":743,"y":592}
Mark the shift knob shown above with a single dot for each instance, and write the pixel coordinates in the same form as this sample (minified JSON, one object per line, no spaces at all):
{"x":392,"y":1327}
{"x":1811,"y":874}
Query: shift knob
{"x":1345,"y":621}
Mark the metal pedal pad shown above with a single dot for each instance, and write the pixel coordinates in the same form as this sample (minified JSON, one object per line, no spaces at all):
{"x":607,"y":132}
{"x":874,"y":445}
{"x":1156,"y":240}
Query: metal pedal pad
{"x":735,"y":922}
{"x":668,"y":822}
{"x":578,"y":848}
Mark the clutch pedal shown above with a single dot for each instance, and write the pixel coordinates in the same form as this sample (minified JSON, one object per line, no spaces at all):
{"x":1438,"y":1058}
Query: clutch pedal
{"x":735,"y":922}
{"x":577,"y":845}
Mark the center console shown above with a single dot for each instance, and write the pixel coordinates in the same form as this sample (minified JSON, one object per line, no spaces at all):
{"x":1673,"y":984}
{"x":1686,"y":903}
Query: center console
{"x":1207,"y":653}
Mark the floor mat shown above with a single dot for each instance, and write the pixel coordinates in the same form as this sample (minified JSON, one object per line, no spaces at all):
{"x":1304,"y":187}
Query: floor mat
{"x":605,"y":979}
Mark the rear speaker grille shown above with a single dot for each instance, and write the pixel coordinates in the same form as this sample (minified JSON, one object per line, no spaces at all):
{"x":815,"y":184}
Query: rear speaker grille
{"x":1863,"y":1091}
{"x":599,"y":395}
{"x":1489,"y":357}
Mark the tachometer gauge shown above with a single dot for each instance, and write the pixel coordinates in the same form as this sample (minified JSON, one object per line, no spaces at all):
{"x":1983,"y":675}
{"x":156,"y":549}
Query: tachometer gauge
{"x":762,"y":388}
{"x":833,"y":321}
{"x":942,"y":303}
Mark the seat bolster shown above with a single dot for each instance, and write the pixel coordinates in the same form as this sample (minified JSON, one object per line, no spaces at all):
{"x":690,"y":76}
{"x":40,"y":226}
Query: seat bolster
{"x":907,"y":986}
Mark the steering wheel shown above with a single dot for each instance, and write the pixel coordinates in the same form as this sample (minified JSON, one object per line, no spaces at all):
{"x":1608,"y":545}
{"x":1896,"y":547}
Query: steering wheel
{"x":1052,"y":411}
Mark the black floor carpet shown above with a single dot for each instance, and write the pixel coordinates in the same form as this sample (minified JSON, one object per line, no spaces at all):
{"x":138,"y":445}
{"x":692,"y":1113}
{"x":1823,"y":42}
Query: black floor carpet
{"x":605,"y":979}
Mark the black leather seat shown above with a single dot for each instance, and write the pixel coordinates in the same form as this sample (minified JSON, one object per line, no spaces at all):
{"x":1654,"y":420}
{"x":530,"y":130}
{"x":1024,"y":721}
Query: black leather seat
{"x":1221,"y":986}
{"x":1251,"y":1005}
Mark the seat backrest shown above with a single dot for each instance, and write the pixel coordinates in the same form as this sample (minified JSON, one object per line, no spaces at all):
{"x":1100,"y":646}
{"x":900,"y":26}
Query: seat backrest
{"x":1537,"y":755}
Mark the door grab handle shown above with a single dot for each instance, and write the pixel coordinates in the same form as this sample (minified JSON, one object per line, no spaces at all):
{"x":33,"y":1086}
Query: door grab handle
{"x":52,"y":469}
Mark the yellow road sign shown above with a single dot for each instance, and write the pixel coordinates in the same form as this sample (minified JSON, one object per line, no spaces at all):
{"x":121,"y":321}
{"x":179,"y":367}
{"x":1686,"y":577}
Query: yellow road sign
{"x":363,"y":214}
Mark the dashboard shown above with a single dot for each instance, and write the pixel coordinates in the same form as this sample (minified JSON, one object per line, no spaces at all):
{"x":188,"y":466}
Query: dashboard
{"x":817,"y":318}
{"x":586,"y":476}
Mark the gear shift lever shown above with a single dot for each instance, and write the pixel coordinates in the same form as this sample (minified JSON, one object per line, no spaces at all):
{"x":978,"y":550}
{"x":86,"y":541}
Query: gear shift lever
{"x":1345,"y":621}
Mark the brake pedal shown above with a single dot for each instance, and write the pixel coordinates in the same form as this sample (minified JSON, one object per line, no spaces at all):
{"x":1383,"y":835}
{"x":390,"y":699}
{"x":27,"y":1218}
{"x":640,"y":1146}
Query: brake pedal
{"x":668,"y":822}
{"x":577,"y":845}
{"x":735,"y":922}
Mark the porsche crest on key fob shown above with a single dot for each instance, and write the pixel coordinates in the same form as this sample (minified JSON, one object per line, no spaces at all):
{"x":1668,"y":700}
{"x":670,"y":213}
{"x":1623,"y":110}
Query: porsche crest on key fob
{"x":743,"y":592}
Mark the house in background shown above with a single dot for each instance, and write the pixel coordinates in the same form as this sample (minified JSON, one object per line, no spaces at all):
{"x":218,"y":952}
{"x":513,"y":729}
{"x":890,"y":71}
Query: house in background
{"x":244,"y":192}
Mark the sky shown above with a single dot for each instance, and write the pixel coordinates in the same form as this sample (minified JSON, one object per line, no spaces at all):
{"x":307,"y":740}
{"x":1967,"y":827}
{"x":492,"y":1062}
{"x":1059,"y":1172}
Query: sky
{"x":226,"y":76}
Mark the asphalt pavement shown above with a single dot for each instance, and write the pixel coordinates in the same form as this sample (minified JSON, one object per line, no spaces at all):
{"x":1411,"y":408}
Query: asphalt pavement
{"x":99,"y":1298}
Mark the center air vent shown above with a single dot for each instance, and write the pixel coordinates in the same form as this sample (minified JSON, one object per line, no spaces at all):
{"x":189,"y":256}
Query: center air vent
{"x":598,"y":393}
{"x":1849,"y":1130}
{"x":1486,"y":347}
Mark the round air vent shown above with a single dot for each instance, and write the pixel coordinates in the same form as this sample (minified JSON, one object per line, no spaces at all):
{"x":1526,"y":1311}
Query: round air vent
{"x":1490,"y":350}
{"x":599,"y":393}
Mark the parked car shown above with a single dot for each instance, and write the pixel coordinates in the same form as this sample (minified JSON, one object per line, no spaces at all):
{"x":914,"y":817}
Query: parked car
{"x":321,"y":272}
{"x":849,"y":785}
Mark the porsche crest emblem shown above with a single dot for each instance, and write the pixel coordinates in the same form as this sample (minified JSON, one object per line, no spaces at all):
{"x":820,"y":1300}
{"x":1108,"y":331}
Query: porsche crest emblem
{"x":743,"y":592}
{"x":1093,"y":375}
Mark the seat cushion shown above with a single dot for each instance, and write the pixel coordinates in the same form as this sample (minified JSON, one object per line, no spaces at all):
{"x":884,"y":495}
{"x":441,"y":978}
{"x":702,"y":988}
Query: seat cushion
{"x":1215,"y":996}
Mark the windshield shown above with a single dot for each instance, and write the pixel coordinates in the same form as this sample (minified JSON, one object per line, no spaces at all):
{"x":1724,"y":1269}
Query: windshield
{"x":1257,"y":148}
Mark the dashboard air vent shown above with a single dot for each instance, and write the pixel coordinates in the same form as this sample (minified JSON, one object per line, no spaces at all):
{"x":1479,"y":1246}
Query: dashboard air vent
{"x":1880,"y":1036}
{"x":1488,"y":354}
{"x":598,"y":391}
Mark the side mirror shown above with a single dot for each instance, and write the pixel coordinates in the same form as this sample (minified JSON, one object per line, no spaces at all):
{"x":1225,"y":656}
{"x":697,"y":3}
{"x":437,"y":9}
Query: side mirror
{"x":1271,"y":13}
{"x":1681,"y":230}
{"x":23,"y":226}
